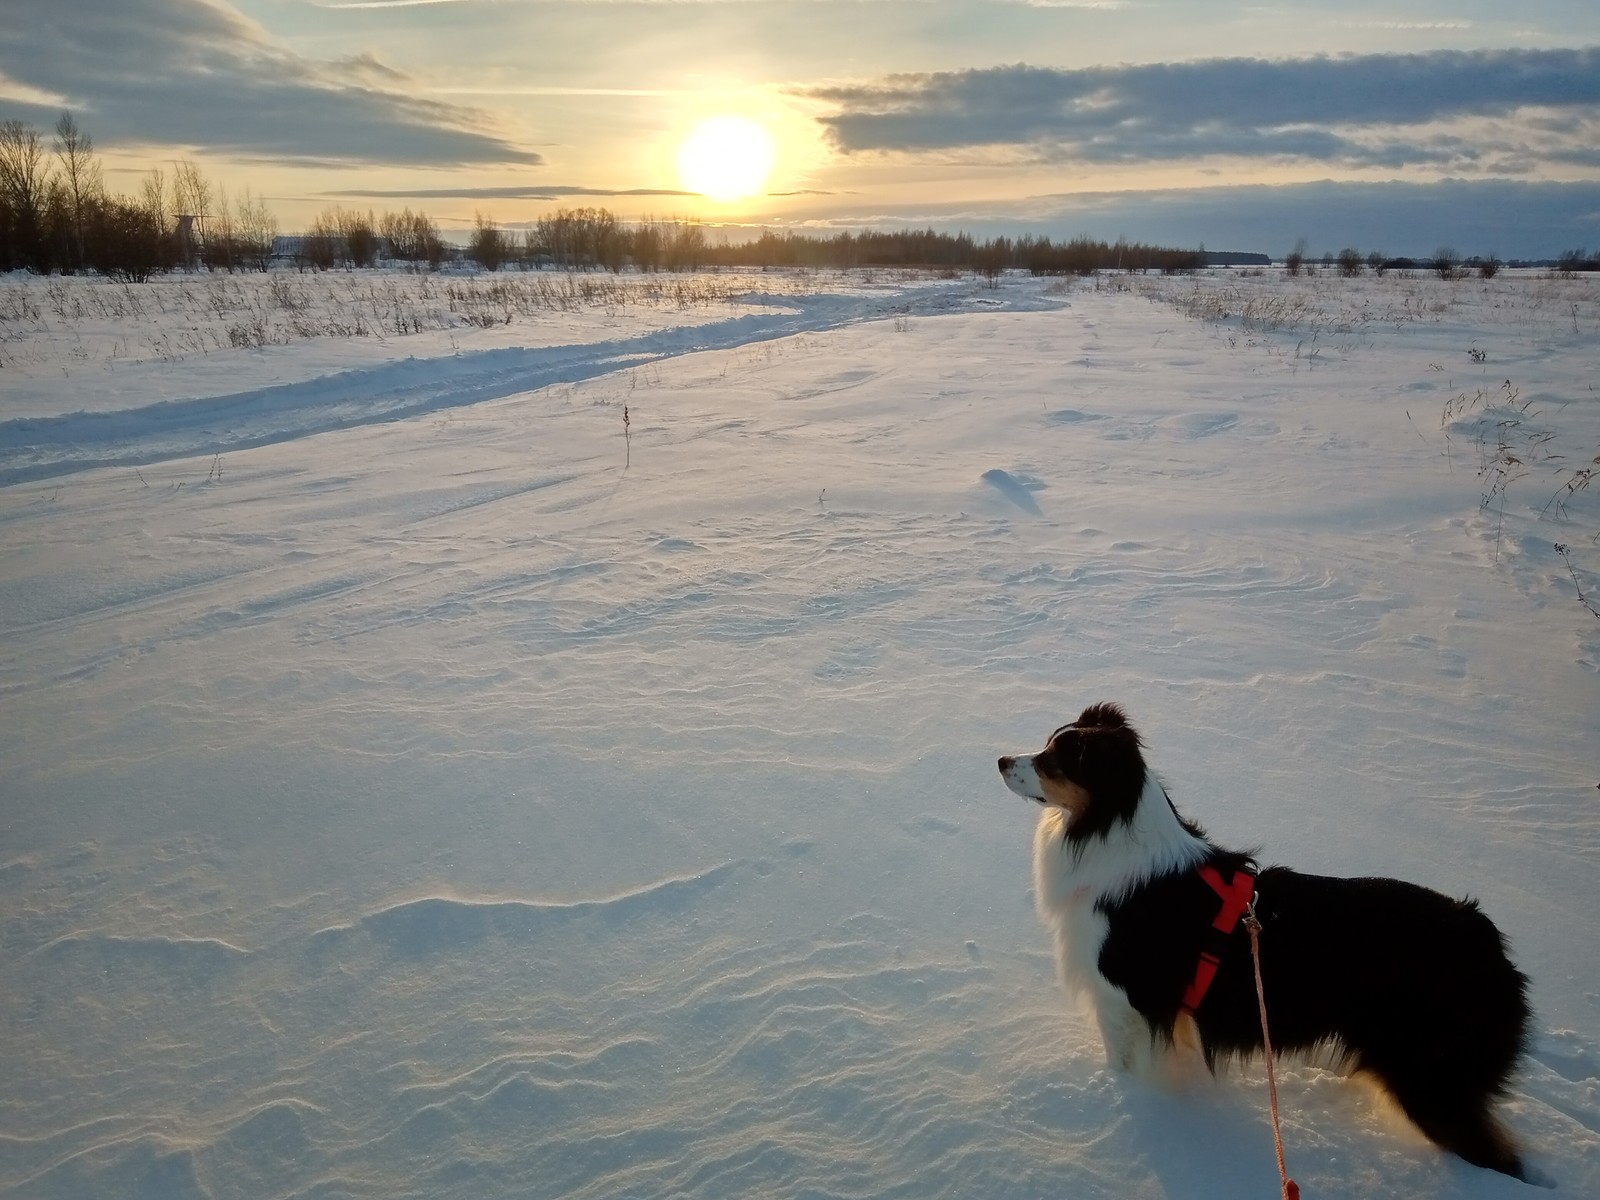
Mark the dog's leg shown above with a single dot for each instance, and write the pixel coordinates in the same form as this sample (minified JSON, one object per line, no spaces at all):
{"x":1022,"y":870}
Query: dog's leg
{"x":1122,"y":1030}
{"x":1457,"y":1118}
{"x":1475,"y":1136}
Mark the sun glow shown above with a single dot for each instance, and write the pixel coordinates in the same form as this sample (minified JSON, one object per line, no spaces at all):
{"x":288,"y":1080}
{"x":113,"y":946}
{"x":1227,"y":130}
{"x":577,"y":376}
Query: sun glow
{"x":726,"y":158}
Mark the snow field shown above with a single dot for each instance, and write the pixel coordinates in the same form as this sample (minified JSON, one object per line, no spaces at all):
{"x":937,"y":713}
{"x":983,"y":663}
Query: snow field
{"x":495,"y":801}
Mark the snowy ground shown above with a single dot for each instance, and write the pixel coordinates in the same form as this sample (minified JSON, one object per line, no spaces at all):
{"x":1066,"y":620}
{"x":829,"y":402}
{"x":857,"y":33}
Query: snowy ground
{"x":416,"y":784}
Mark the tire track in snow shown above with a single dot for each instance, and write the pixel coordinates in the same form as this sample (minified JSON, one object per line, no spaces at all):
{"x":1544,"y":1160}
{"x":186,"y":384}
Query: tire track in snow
{"x":33,"y":448}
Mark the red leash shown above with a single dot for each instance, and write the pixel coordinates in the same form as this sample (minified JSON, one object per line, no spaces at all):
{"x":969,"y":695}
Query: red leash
{"x":1291,"y":1189}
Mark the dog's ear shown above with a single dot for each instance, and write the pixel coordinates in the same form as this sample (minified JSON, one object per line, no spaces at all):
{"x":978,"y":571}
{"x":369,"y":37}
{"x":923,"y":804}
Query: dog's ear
{"x":1103,"y":751}
{"x":1102,"y":716}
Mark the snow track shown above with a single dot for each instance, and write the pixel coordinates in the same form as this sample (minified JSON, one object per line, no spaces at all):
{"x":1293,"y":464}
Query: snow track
{"x":46,"y":447}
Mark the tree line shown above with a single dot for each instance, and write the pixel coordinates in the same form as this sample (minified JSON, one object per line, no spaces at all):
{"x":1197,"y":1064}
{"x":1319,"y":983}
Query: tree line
{"x":56,"y":215}
{"x":592,"y":238}
{"x":587,"y":239}
{"x":1445,"y":262}
{"x":1350,"y":262}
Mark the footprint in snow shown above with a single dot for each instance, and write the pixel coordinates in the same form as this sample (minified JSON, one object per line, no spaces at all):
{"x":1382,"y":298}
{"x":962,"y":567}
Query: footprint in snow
{"x":1194,"y":426}
{"x":1017,"y":490}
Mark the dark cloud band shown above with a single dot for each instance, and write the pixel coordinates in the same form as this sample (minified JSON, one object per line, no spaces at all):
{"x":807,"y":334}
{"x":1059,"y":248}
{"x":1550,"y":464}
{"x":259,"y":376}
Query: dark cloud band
{"x":198,"y":74}
{"x":1305,"y":108}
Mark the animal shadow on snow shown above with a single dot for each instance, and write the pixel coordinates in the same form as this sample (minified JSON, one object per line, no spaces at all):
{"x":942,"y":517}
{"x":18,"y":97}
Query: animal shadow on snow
{"x":1199,"y":1142}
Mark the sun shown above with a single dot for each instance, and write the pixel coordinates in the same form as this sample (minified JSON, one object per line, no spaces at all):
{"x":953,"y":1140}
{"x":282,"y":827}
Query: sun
{"x":726,"y":158}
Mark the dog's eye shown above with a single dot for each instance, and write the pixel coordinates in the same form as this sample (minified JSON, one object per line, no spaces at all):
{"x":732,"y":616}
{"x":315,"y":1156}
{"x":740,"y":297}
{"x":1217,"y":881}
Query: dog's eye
{"x":1060,"y":755}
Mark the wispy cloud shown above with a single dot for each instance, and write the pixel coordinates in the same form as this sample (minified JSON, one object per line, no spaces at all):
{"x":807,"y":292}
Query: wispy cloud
{"x":1376,"y":110}
{"x":195,"y":73}
{"x":381,"y":3}
{"x":535,"y":89}
{"x":510,"y":192}
{"x":1405,"y":26}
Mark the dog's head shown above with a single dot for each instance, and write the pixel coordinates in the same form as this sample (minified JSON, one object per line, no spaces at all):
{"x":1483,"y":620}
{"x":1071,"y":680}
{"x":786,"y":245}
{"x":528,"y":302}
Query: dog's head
{"x":1093,"y":770}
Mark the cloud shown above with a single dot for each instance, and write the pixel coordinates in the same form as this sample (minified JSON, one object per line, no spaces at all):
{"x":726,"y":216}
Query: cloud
{"x":1521,"y":219}
{"x":1373,"y":110}
{"x":512,"y":192}
{"x":380,"y":3}
{"x":369,"y":66}
{"x":196,"y":73}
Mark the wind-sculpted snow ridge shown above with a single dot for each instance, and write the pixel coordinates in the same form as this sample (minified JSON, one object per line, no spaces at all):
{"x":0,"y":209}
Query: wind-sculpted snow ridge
{"x":185,"y":955}
{"x":440,"y":1046}
{"x":652,"y":1043}
{"x":444,"y":922}
{"x":45,"y":447}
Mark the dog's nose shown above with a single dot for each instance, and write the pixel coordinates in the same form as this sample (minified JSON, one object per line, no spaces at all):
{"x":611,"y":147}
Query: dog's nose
{"x":1006,"y":763}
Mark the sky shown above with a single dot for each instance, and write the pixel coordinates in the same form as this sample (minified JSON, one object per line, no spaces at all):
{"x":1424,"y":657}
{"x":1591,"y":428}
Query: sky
{"x":1401,"y":127}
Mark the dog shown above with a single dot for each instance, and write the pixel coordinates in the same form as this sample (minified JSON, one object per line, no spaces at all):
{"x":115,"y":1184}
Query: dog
{"x":1384,"y":978}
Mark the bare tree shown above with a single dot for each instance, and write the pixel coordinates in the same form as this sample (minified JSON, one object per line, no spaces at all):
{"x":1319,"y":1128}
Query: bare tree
{"x":153,"y":191}
{"x":554,"y":237}
{"x":489,"y":247}
{"x":1294,"y":261}
{"x":360,"y":238}
{"x":1573,"y":261}
{"x":604,"y":237}
{"x":190,"y":191}
{"x":687,"y":247}
{"x":395,"y":228}
{"x":123,"y":241}
{"x":257,"y":228}
{"x":647,"y":245}
{"x":25,"y":181}
{"x":590,"y":237}
{"x":412,"y":237}
{"x":992,"y":258}
{"x":193,"y":199}
{"x":323,"y":247}
{"x":1446,"y":263}
{"x":81,"y":178}
{"x":221,"y":235}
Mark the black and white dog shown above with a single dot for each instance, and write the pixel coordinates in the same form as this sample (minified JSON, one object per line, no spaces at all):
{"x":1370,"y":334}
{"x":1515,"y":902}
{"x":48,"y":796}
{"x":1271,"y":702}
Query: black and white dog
{"x":1390,"y":979}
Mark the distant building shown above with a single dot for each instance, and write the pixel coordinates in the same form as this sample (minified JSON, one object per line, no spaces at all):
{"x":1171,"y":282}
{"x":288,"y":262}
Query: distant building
{"x":305,"y":248}
{"x":302,"y":249}
{"x":188,"y":236}
{"x":288,"y":247}
{"x":1233,"y":258}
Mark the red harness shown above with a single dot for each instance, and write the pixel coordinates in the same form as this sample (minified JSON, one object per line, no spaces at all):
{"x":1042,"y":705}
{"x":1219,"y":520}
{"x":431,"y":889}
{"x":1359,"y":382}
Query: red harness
{"x":1236,"y":895}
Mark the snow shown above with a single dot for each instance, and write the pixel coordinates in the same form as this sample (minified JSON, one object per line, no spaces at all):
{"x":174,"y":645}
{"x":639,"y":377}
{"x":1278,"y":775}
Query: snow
{"x":419,"y":783}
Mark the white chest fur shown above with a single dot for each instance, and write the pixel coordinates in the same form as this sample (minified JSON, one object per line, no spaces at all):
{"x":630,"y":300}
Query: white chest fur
{"x":1069,"y":880}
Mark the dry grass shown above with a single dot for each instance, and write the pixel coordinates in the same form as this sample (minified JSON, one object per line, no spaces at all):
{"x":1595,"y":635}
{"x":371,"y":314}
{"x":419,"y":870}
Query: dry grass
{"x":174,"y":317}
